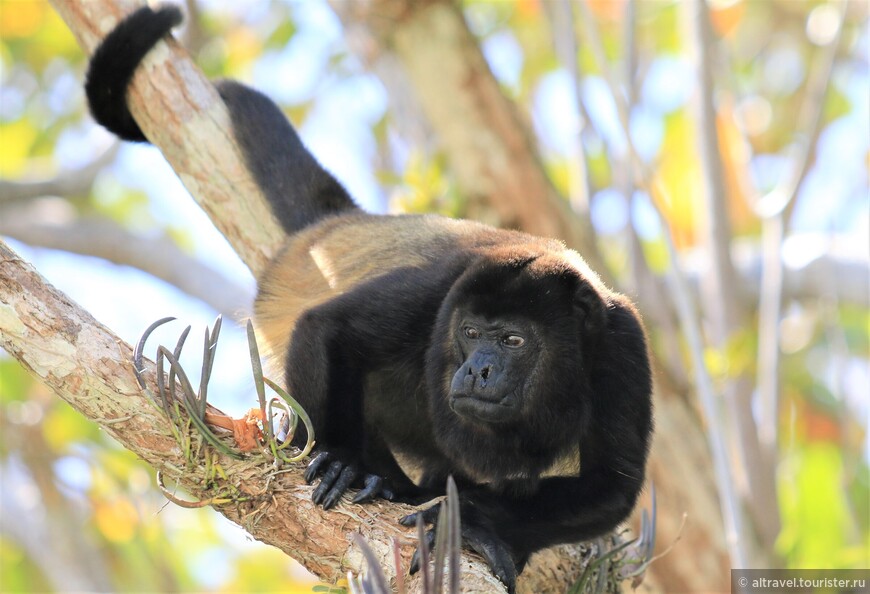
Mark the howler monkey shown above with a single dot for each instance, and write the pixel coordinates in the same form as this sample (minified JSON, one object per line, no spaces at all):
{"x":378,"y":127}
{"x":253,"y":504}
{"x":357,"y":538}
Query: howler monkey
{"x":424,"y":347}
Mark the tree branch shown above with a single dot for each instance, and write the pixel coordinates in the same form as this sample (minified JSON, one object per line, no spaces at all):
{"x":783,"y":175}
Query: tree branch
{"x":773,"y":209}
{"x":157,"y":256}
{"x":66,"y":184}
{"x":725,"y":307}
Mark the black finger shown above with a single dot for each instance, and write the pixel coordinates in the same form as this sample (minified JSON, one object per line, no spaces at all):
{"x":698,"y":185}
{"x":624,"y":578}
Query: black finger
{"x":315,"y":465}
{"x":495,"y":552}
{"x":373,"y":488}
{"x":521,"y":563}
{"x":347,"y":476}
{"x":415,"y":560}
{"x":329,"y":477}
{"x":429,"y":516}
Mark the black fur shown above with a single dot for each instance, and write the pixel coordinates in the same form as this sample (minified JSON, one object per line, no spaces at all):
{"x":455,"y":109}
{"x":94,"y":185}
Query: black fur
{"x":299,"y":190}
{"x":496,"y":357}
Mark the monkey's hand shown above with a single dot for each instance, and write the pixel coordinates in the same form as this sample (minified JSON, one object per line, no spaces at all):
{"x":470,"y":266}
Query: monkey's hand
{"x":341,"y":472}
{"x":478,"y":536}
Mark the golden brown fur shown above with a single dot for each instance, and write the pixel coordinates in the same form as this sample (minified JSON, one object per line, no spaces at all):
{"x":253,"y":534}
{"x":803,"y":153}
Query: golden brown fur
{"x":337,"y":254}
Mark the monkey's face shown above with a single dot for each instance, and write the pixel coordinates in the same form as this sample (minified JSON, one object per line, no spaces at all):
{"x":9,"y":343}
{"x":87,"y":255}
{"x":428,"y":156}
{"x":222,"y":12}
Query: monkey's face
{"x":497,"y":355}
{"x":508,"y":345}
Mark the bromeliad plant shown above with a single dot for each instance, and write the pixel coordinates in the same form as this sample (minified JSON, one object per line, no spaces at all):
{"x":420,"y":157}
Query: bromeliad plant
{"x":617,"y":560}
{"x":258,"y":423}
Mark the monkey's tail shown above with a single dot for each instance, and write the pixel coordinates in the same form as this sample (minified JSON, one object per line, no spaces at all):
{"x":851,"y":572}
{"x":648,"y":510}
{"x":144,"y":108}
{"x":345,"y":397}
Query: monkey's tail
{"x":114,"y":62}
{"x":298,"y":189}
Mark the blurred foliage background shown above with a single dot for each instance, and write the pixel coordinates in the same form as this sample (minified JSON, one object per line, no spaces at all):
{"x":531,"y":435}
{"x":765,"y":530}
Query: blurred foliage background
{"x":80,"y":513}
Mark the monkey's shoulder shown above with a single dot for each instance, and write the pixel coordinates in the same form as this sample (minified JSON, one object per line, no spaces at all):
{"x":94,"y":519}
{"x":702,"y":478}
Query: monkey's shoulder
{"x":343,"y":251}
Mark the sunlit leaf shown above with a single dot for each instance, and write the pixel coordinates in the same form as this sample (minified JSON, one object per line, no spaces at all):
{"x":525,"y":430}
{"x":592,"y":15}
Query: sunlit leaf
{"x":599,"y":169}
{"x":735,"y":164}
{"x":19,"y":573}
{"x":269,"y":570}
{"x":15,"y":382}
{"x":679,"y":173}
{"x":666,"y":34}
{"x":49,"y":40}
{"x":116,"y":520}
{"x":816,"y":525}
{"x":21,"y":19}
{"x":16,"y":142}
{"x":63,"y":426}
{"x":855,"y":323}
{"x":656,"y":255}
{"x":726,"y":16}
{"x":243,"y":46}
{"x":281,"y":35}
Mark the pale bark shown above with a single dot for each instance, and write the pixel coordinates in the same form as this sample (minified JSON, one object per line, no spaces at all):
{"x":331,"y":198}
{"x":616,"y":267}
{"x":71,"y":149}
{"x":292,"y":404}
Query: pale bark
{"x":66,"y":183}
{"x":725,"y":309}
{"x":54,"y":224}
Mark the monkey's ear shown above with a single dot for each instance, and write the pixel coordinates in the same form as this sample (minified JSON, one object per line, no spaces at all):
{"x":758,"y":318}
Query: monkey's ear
{"x":591,"y":307}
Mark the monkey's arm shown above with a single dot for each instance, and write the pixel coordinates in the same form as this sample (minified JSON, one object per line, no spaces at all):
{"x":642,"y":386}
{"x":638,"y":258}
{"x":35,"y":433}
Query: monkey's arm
{"x":505,"y":529}
{"x":336,"y":347}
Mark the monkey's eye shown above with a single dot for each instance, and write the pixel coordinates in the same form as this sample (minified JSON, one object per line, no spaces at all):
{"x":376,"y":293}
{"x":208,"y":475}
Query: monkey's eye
{"x":513,"y":341}
{"x":471,"y":333}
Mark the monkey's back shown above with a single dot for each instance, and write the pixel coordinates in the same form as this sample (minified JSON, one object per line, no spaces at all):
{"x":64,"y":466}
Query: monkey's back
{"x":341,"y":252}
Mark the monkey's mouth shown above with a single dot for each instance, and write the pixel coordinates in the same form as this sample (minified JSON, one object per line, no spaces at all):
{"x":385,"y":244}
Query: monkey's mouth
{"x":486,"y":410}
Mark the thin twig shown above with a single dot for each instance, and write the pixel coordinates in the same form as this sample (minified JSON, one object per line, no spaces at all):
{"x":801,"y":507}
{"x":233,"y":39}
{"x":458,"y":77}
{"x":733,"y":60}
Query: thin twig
{"x":66,"y":184}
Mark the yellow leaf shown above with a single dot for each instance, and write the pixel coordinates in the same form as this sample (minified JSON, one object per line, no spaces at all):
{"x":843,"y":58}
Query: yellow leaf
{"x":726,"y":16}
{"x":735,"y":165}
{"x":243,"y":46}
{"x":16,"y":141}
{"x":21,"y":19}
{"x":117,"y":520}
{"x":679,"y":176}
{"x":63,"y":426}
{"x":55,"y":39}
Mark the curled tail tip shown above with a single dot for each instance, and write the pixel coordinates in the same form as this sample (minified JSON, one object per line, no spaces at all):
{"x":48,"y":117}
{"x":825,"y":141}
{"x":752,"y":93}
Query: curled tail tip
{"x":115,"y":60}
